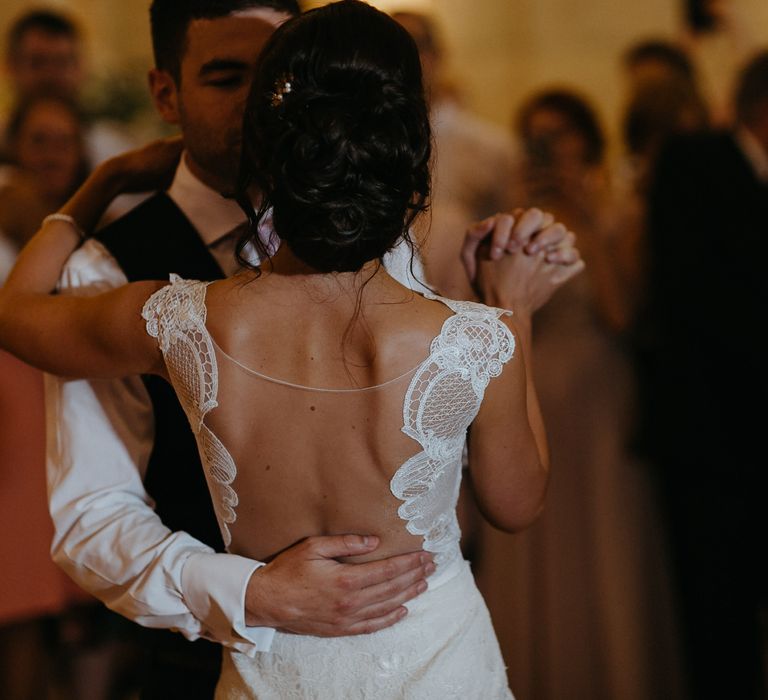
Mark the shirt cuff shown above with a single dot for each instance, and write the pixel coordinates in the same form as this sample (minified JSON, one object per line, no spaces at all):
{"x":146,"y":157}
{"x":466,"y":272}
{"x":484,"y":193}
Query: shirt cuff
{"x":214,"y":587}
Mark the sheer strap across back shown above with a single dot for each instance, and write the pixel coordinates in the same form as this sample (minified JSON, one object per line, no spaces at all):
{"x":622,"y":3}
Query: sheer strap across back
{"x":285,"y":461}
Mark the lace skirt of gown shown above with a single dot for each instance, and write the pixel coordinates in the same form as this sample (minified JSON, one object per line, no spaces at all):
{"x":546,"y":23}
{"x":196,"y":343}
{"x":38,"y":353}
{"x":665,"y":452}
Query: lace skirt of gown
{"x":444,"y":648}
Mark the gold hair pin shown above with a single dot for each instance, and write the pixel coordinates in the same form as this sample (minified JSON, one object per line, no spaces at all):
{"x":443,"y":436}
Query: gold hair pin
{"x":283,"y":86}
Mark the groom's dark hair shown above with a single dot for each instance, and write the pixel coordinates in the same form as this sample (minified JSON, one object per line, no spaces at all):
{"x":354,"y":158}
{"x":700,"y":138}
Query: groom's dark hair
{"x":170,"y":20}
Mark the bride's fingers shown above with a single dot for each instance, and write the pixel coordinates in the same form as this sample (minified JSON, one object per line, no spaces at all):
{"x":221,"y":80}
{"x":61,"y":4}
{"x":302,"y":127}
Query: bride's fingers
{"x":547,"y":238}
{"x":526,"y":226}
{"x":563,"y":273}
{"x":565,"y":252}
{"x":501,"y":235}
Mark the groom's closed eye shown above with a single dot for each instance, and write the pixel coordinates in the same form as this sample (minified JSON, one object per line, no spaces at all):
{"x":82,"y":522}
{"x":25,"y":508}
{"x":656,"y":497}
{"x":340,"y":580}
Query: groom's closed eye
{"x":225,"y":74}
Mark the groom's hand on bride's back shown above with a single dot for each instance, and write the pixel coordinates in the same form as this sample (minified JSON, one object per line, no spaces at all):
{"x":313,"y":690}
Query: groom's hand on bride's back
{"x":305,"y":590}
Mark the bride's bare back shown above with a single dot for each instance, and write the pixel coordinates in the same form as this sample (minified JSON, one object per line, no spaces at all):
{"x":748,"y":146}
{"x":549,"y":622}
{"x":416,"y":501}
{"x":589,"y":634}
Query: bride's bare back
{"x":303,"y":413}
{"x":315,"y":460}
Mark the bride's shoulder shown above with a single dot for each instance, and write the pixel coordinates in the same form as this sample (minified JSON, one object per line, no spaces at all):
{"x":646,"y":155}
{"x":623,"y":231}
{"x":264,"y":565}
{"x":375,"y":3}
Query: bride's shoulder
{"x":467,"y":308}
{"x":177,"y":291}
{"x":448,"y":322}
{"x":176,"y":285}
{"x":238,"y":293}
{"x":178,"y":300}
{"x":475,"y":328}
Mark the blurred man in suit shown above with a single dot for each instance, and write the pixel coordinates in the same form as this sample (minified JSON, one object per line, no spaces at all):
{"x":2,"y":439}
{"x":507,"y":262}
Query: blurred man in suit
{"x":708,"y":385}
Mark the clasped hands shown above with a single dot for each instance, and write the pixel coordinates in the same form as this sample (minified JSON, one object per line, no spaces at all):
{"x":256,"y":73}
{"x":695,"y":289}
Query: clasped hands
{"x":518,"y":260}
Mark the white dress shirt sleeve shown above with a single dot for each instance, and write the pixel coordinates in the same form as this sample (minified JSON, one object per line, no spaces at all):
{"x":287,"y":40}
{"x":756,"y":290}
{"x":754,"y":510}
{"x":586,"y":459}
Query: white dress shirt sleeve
{"x":108,"y":537}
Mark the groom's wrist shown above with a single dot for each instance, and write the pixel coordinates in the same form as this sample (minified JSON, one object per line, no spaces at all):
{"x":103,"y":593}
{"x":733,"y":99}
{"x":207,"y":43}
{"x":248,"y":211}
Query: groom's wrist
{"x":258,"y":600}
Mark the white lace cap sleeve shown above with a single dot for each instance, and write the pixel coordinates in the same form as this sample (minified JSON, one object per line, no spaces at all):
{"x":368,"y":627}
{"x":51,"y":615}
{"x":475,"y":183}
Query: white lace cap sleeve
{"x":441,"y":402}
{"x":175,"y":315}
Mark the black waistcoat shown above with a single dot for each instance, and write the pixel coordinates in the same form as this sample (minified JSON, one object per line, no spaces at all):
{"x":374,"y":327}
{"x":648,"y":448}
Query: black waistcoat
{"x":149,"y":243}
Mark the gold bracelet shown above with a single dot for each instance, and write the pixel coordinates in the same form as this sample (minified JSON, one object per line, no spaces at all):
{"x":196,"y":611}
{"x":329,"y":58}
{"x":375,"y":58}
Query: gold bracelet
{"x":67,"y":219}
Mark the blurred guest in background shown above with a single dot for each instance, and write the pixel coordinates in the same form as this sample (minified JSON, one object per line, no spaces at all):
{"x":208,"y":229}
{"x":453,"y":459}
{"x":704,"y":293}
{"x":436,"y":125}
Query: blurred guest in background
{"x":580,"y":600}
{"x":704,"y":413}
{"x":720,"y":35}
{"x":657,"y":110}
{"x":563,"y":170}
{"x":658,"y":107}
{"x":656,"y":60}
{"x":45,"y":56}
{"x":47,"y":163}
{"x":473,"y":161}
{"x":662,"y":97}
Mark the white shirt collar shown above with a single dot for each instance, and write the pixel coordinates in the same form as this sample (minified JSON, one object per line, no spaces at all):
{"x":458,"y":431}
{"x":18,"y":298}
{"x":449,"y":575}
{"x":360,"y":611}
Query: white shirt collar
{"x":753,"y":152}
{"x":211,"y":214}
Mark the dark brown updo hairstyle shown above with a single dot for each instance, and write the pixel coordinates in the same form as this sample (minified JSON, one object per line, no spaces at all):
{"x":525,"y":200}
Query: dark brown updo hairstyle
{"x":336,"y":137}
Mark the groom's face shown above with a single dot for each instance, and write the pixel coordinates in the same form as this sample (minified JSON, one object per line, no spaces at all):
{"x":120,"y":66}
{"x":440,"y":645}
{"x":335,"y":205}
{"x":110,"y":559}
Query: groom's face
{"x":208,"y":100}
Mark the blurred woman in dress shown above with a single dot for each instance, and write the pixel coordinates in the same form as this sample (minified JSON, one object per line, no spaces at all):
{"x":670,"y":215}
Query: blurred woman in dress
{"x":580,"y":600}
{"x":45,"y":163}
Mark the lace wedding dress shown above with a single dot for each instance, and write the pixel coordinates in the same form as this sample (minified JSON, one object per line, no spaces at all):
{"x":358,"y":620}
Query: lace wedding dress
{"x":246,"y":423}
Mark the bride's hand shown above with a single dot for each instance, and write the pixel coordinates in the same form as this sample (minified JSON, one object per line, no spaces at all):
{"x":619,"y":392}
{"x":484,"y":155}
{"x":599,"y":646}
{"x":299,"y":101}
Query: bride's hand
{"x":525,"y":281}
{"x":145,"y":169}
{"x":529,"y":230}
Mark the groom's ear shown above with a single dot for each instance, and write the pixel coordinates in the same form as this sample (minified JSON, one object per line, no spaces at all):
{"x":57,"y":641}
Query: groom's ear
{"x":165,"y":95}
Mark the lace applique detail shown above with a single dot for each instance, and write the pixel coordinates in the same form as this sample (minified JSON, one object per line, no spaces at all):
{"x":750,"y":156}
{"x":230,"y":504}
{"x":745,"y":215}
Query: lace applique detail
{"x":441,"y":402}
{"x":175,"y":315}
